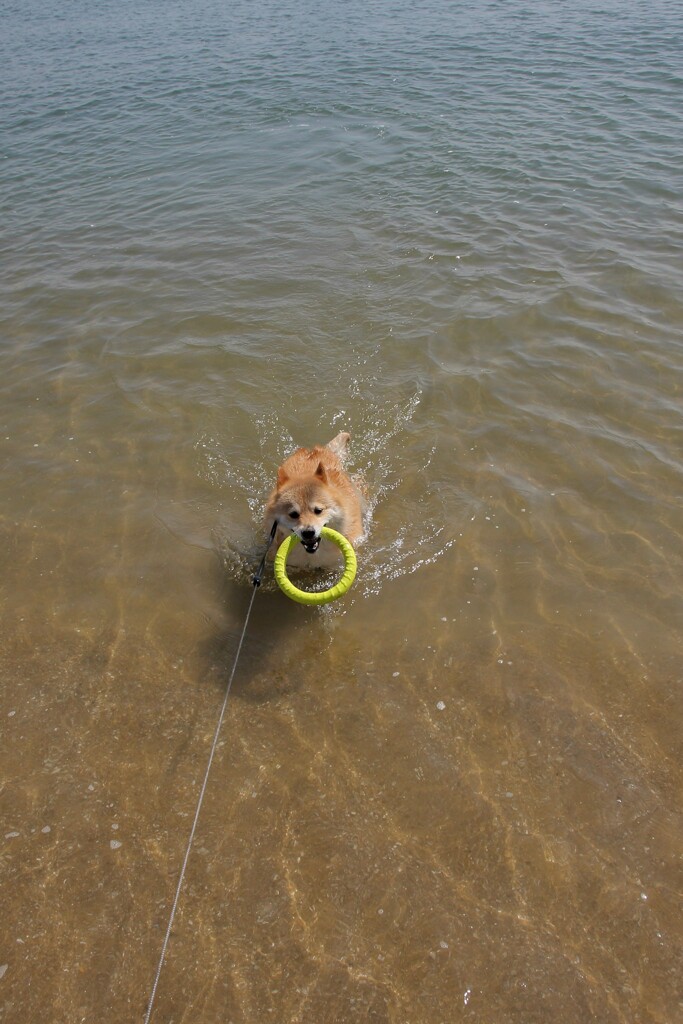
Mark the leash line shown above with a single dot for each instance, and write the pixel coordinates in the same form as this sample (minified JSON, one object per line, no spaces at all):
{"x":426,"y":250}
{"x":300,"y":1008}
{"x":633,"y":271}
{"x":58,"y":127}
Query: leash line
{"x":256,"y":580}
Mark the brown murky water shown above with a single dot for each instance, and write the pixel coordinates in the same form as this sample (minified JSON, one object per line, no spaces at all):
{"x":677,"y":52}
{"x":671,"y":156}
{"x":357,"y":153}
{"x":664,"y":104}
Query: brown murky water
{"x":455,"y":794}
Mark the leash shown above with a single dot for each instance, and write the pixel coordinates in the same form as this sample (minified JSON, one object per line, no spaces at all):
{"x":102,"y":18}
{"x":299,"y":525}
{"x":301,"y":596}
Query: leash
{"x":256,"y":580}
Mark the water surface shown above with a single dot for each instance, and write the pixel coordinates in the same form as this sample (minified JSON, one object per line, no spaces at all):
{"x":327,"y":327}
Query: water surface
{"x":454,"y":230}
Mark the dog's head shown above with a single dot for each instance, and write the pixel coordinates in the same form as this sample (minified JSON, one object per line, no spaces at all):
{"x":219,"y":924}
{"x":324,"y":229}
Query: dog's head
{"x":304,"y":505}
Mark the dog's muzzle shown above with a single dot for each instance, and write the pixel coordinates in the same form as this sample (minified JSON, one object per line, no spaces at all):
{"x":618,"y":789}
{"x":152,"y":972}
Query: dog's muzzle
{"x":310,"y":542}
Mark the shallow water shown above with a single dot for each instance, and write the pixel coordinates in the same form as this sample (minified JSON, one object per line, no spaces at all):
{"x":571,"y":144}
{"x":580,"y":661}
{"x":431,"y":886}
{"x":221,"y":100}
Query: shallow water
{"x":456,"y":232}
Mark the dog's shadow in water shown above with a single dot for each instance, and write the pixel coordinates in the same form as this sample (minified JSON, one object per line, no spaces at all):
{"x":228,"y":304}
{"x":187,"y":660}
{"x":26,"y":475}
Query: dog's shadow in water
{"x":265,"y":668}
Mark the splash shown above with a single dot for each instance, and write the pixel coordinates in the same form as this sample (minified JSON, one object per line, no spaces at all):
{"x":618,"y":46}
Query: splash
{"x":390,"y":467}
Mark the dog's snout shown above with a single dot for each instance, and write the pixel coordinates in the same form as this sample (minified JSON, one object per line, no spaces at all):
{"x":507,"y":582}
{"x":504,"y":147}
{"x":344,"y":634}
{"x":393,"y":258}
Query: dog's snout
{"x":308,"y":533}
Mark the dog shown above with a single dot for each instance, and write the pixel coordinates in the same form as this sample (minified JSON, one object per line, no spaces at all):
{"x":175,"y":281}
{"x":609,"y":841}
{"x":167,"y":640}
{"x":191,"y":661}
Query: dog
{"x":313,"y":491}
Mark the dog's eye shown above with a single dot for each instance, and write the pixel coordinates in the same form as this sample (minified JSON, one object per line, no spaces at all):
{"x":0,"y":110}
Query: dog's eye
{"x":294,"y":515}
{"x":318,"y":511}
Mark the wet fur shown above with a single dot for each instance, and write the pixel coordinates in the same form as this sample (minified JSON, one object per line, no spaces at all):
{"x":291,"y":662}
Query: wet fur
{"x":313,"y":491}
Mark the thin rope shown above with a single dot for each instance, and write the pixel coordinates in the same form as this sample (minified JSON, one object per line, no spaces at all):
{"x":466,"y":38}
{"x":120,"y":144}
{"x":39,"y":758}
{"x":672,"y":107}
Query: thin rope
{"x":256,"y":580}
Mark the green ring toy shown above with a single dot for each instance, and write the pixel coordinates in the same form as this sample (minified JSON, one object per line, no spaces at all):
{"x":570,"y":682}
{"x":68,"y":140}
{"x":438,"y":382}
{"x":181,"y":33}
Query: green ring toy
{"x":313,"y":597}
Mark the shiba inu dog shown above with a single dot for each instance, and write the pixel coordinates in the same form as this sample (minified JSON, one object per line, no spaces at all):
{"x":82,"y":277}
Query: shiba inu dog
{"x":313,"y":491}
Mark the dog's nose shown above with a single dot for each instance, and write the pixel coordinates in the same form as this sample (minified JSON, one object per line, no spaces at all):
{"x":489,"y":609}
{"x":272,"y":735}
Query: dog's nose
{"x":308,"y":533}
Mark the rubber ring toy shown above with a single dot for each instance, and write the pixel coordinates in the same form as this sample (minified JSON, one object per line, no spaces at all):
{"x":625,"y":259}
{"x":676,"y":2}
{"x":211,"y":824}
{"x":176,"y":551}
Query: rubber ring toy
{"x":313,"y":597}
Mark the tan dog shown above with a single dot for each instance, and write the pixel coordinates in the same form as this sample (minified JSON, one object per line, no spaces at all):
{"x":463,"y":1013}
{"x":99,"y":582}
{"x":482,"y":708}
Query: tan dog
{"x":313,"y":491}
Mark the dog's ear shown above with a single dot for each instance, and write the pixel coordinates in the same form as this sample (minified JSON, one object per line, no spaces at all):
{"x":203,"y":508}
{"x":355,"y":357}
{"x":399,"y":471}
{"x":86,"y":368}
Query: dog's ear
{"x":282,"y":478}
{"x":320,"y":473}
